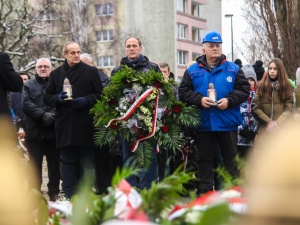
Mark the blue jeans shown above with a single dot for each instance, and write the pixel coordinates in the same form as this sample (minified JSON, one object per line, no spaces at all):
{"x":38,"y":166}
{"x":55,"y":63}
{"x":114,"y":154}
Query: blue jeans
{"x":147,"y":175}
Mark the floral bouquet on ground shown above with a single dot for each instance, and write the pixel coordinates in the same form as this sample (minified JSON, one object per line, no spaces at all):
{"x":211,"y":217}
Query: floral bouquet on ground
{"x":143,"y":109}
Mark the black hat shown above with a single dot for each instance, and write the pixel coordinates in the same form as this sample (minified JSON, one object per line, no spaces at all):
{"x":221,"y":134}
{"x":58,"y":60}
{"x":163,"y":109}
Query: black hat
{"x":259,"y":70}
{"x":238,"y":62}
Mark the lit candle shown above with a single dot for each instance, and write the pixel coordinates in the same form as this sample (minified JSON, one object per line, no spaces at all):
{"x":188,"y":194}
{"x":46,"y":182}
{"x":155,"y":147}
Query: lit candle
{"x":212,"y":94}
{"x":67,"y":87}
{"x":68,"y":92}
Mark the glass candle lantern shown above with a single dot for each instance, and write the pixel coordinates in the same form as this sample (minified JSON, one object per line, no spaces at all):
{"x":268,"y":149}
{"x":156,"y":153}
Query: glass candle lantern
{"x":212,"y":93}
{"x":68,"y":88}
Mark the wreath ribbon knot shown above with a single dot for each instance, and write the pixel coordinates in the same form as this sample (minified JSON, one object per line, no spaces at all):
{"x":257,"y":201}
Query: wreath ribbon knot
{"x":132,"y":109}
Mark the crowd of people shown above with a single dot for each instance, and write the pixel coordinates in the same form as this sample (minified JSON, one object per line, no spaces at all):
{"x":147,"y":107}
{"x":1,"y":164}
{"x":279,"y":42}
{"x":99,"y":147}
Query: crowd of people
{"x":247,"y":103}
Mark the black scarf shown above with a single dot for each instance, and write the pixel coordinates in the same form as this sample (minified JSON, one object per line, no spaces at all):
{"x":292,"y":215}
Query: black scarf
{"x":70,"y":70}
{"x":136,"y":61}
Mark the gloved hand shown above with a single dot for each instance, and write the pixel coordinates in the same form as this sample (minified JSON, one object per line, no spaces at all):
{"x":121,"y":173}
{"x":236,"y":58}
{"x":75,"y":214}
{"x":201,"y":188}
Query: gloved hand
{"x":79,"y":103}
{"x":48,"y":118}
{"x":61,"y":97}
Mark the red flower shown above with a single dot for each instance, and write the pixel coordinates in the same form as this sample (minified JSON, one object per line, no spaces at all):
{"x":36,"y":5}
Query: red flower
{"x":176,"y":109}
{"x":165,"y":129}
{"x":113,"y":102}
{"x":157,"y":84}
{"x":114,"y":125}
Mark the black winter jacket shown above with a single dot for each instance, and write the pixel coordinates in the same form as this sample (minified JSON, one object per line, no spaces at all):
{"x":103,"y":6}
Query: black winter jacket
{"x":74,"y":127}
{"x":34,"y":107}
{"x":10,"y":80}
{"x":143,"y":65}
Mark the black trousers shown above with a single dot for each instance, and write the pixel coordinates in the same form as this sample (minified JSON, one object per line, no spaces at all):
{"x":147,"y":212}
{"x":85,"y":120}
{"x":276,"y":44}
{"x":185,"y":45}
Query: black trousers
{"x":75,"y":161}
{"x":105,"y":165}
{"x":37,"y":149}
{"x":207,"y":147}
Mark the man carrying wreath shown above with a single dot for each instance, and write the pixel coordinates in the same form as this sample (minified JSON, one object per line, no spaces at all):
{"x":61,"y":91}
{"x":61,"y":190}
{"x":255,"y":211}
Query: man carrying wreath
{"x":139,"y":63}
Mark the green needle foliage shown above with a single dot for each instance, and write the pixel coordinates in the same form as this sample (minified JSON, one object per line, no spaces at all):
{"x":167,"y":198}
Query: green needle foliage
{"x":114,"y":105}
{"x":162,"y":196}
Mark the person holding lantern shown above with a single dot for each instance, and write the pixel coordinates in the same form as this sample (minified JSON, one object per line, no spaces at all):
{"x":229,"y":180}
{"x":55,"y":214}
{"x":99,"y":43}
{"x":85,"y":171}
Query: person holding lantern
{"x":217,"y":87}
{"x":73,"y":121}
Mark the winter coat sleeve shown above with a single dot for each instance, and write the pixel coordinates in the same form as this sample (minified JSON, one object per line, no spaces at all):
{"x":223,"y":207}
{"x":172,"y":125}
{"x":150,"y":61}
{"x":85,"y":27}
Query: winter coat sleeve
{"x":31,"y":109}
{"x":51,"y":92}
{"x":9,"y":78}
{"x":241,"y":90}
{"x":257,"y":111}
{"x":186,"y":91}
{"x":96,"y":87}
{"x":288,"y":106}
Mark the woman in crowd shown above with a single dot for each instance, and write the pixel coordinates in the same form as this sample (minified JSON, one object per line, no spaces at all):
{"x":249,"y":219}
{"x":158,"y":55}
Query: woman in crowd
{"x":273,"y":101}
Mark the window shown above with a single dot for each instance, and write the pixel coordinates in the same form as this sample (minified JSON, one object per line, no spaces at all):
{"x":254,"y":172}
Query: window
{"x":195,"y":55}
{"x":105,"y":35}
{"x":196,"y":34}
{"x":196,"y":10}
{"x":181,"y":5}
{"x":105,"y":61}
{"x":181,"y":57}
{"x":104,"y":9}
{"x":181,"y":29}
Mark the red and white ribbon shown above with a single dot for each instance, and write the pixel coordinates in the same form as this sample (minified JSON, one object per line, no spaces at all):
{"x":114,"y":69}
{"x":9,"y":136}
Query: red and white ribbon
{"x":132,"y":109}
{"x":136,"y":143}
{"x":134,"y":106}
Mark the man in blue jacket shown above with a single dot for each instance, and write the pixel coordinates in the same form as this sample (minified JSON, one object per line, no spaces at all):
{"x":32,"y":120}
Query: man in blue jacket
{"x":220,"y":113}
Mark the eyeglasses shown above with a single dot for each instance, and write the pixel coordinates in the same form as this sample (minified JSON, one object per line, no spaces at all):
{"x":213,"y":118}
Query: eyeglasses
{"x":40,"y":67}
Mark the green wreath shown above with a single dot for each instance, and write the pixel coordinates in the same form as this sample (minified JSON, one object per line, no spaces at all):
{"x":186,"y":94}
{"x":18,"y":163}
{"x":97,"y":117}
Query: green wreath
{"x":142,"y":108}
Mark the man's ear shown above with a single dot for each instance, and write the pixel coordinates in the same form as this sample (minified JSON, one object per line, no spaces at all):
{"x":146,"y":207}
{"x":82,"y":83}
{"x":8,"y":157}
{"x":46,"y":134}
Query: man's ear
{"x":203,"y":50}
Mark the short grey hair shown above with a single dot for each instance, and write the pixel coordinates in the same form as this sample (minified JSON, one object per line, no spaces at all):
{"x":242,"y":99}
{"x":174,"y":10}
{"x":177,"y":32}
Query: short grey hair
{"x":88,"y":56}
{"x":43,"y":59}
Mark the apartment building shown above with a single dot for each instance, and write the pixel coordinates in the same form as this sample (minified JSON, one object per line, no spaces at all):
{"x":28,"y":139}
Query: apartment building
{"x":170,"y":30}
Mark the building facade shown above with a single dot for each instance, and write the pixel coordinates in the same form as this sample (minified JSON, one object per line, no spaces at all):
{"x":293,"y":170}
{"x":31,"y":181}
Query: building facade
{"x":170,"y":30}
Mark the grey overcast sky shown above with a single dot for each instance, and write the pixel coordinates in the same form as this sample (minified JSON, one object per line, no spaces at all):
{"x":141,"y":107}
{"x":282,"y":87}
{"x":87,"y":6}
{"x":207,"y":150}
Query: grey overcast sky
{"x":238,"y":23}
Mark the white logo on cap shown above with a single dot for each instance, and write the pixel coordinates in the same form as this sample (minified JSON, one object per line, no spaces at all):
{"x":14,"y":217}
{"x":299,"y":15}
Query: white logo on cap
{"x":229,"y":79}
{"x":215,"y":38}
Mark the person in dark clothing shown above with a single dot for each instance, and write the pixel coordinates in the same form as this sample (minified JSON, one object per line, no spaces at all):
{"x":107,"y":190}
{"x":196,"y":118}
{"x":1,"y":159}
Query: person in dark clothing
{"x":39,"y":129}
{"x":165,"y":70}
{"x":73,"y":121}
{"x":9,"y":81}
{"x":217,"y":87}
{"x":104,"y":169}
{"x":259,"y":70}
{"x":87,"y":58}
{"x":17,"y":103}
{"x":238,"y":62}
{"x":138,"y":62}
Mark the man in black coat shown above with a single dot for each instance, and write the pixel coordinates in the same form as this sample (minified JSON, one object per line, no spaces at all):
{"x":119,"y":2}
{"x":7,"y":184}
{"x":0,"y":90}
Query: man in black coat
{"x":9,"y":81}
{"x":73,"y":121}
{"x":39,"y":129}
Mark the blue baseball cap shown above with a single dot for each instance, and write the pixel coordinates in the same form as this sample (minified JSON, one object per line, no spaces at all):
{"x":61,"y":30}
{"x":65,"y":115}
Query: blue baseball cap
{"x":213,"y":37}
